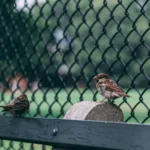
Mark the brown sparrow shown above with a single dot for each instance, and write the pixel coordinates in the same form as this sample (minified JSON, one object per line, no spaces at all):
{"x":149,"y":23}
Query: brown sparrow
{"x":108,"y":88}
{"x":17,"y":106}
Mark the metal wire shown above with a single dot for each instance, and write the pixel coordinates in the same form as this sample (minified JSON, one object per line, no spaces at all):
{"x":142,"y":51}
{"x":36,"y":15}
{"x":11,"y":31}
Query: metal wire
{"x":51,"y":50}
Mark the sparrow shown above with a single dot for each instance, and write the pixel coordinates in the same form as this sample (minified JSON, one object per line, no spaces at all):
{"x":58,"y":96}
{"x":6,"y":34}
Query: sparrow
{"x":108,"y":88}
{"x":17,"y":106}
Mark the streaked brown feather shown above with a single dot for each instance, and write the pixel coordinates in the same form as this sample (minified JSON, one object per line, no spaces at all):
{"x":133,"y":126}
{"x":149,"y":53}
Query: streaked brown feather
{"x":17,"y":106}
{"x":113,"y":87}
{"x":108,"y":88}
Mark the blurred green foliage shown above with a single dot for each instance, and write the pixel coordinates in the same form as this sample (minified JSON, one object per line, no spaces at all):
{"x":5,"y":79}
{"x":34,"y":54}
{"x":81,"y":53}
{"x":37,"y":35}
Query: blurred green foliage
{"x":55,"y":40}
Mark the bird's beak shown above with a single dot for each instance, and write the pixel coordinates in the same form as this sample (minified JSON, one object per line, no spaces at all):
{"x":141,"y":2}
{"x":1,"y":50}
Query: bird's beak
{"x":95,"y":78}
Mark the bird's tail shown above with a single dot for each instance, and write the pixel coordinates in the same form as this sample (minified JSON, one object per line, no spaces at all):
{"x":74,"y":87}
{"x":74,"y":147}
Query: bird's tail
{"x":5,"y":108}
{"x":124,"y":95}
{"x":2,"y":106}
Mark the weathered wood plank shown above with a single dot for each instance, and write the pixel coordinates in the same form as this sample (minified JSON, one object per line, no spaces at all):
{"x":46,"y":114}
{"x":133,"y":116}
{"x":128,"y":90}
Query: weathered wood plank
{"x":68,"y":133}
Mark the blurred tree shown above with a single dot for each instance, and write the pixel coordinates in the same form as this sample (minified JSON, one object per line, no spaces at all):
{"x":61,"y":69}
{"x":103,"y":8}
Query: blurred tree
{"x":94,"y":36}
{"x":14,"y":29}
{"x":56,"y":39}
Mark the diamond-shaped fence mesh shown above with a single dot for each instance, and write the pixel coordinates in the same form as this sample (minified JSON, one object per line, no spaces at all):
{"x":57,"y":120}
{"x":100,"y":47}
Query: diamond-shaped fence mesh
{"x":51,"y":49}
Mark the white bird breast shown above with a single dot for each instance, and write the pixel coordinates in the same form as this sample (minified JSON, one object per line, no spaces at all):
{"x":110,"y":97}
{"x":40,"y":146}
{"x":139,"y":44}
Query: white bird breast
{"x":108,"y":94}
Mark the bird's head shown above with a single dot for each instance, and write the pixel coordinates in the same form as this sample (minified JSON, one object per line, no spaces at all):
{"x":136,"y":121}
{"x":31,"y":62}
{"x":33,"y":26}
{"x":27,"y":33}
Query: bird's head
{"x":101,"y":77}
{"x":23,"y":97}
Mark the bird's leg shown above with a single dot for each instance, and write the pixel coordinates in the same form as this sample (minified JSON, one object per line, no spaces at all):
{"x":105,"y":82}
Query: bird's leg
{"x":111,"y":100}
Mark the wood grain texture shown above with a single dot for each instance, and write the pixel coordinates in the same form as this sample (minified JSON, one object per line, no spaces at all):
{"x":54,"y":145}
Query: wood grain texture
{"x":88,"y":110}
{"x":67,"y":133}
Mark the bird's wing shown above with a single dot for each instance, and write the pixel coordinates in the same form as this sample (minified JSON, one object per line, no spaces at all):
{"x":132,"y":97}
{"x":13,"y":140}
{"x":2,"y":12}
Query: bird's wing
{"x":10,"y":105}
{"x":7,"y":107}
{"x":14,"y":103}
{"x":113,"y":87}
{"x":17,"y":102}
{"x":21,"y":103}
{"x":11,"y":102}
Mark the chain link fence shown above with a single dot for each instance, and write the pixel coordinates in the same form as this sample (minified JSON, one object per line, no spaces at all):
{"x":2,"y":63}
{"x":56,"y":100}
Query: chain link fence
{"x":51,"y":49}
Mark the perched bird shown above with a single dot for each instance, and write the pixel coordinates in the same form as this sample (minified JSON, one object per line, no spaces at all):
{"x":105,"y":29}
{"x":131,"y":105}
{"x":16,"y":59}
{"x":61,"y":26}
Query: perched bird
{"x":108,"y":88}
{"x":17,"y":106}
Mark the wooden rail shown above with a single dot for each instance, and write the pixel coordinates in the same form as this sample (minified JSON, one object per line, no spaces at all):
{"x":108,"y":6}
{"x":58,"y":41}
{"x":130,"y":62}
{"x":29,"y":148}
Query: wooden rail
{"x":71,"y":134}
